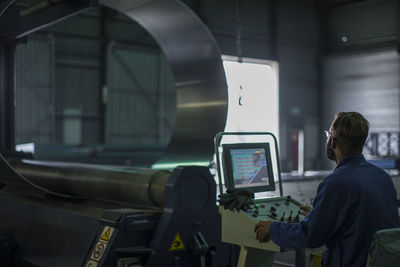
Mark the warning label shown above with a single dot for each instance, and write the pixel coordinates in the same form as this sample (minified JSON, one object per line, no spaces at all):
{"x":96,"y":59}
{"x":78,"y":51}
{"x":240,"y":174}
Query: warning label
{"x":107,"y":233}
{"x":98,"y":251}
{"x":177,"y":244}
{"x":91,"y":263}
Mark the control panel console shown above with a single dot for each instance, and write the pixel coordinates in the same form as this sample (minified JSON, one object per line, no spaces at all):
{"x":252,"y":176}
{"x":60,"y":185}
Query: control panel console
{"x":238,"y":226}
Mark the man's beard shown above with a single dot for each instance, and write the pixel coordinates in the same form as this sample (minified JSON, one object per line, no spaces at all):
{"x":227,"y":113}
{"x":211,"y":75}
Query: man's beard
{"x":330,"y":154}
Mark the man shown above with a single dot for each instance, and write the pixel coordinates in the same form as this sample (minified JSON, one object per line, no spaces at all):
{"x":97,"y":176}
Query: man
{"x":351,"y":204}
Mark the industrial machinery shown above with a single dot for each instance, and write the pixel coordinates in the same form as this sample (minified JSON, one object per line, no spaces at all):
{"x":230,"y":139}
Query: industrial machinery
{"x":65,"y":214}
{"x":249,"y":166}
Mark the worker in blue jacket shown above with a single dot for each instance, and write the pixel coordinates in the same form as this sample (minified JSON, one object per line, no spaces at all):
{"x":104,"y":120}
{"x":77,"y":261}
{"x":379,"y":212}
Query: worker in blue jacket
{"x":351,"y":204}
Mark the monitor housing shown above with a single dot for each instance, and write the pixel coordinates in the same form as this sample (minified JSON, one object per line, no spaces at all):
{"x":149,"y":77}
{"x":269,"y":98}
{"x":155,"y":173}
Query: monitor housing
{"x":248,"y":166}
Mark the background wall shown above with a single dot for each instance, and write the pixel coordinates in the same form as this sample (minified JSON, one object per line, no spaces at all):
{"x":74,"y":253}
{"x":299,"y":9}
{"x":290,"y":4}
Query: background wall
{"x":333,"y":56}
{"x":360,"y":66}
{"x":35,"y":115}
{"x":104,"y":79}
{"x":286,"y":31}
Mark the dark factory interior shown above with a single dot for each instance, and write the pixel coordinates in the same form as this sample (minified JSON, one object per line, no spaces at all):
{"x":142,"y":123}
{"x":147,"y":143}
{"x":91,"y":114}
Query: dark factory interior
{"x":199,"y":133}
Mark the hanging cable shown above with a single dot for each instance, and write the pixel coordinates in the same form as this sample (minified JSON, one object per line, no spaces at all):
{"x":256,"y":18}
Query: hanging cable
{"x":239,"y":28}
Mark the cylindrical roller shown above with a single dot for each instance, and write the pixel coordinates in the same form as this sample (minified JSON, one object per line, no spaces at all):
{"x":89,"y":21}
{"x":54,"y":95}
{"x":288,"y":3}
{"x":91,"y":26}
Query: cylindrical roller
{"x":134,"y":185}
{"x":196,"y":65}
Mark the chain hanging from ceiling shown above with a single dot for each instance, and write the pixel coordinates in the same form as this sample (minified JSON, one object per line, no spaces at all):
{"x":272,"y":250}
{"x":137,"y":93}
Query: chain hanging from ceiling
{"x":239,"y":29}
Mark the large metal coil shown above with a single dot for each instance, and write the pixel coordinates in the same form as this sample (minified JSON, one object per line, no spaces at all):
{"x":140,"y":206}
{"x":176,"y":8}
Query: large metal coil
{"x":125,"y":184}
{"x":196,"y":65}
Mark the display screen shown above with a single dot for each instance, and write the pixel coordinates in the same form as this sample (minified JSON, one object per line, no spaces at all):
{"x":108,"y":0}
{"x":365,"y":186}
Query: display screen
{"x":249,"y":167}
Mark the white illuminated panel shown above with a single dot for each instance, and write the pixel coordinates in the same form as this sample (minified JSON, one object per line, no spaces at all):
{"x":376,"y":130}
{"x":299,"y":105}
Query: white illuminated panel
{"x":253,"y":99}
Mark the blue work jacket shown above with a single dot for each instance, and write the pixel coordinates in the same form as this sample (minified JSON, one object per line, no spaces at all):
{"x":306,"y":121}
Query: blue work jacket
{"x":351,"y":204}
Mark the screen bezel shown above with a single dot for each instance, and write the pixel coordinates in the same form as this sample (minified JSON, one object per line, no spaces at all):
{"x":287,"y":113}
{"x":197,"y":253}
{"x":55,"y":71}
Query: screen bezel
{"x":228,"y":166}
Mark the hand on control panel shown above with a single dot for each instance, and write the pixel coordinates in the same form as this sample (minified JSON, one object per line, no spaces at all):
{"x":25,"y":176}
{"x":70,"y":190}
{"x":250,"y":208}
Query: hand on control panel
{"x":262,"y":230}
{"x":305,"y":210}
{"x":236,"y":199}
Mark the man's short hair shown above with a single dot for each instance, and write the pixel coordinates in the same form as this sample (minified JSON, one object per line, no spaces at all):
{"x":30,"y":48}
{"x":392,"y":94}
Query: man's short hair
{"x":351,"y":131}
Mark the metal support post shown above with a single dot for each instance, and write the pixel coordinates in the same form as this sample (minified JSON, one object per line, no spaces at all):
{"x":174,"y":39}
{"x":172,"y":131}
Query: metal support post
{"x":300,"y":258}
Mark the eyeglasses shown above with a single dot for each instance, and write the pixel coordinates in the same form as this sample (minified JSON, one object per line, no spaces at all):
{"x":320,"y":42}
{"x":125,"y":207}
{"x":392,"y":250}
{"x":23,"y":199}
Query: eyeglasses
{"x":328,"y":134}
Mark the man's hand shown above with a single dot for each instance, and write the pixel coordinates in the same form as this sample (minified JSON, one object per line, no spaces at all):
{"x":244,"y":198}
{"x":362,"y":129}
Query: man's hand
{"x":305,"y":210}
{"x":236,"y":199}
{"x":262,"y":230}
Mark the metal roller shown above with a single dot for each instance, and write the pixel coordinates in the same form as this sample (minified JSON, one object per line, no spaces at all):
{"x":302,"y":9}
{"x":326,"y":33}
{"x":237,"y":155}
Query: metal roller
{"x":133,"y":185}
{"x":195,"y":61}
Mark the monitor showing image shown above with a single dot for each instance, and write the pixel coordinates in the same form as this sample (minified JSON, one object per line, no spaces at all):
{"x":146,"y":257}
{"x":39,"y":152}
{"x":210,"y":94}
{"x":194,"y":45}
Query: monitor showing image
{"x":248,"y":166}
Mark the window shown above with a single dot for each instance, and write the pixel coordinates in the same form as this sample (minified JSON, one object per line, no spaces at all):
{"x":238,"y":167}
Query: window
{"x":253,"y":98}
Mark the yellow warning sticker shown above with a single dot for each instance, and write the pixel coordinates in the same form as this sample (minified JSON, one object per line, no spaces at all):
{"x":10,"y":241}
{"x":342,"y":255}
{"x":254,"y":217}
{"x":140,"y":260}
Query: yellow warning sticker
{"x":177,"y":244}
{"x":106,"y":234}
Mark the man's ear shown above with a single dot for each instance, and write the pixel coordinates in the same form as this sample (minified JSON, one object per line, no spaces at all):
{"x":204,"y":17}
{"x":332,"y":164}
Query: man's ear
{"x":333,"y":142}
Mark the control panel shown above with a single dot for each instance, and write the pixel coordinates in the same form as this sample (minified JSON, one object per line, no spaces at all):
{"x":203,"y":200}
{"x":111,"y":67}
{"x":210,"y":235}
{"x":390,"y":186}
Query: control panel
{"x":251,"y":166}
{"x":276,"y":209}
{"x":238,"y":226}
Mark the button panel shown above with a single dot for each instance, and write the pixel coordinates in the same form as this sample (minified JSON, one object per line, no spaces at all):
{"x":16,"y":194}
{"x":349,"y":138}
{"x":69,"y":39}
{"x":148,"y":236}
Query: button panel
{"x":276,"y":209}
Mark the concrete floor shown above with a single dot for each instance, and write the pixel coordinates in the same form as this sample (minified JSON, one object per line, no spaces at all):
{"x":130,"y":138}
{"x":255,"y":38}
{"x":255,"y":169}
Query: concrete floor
{"x":287,"y":259}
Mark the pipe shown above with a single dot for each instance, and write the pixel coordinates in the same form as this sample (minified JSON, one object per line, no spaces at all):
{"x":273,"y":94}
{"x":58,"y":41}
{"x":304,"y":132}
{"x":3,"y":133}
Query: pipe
{"x":126,"y":184}
{"x":37,"y":7}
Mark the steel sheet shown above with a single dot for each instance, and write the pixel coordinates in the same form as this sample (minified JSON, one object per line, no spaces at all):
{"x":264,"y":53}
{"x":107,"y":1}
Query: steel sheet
{"x":195,"y":61}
